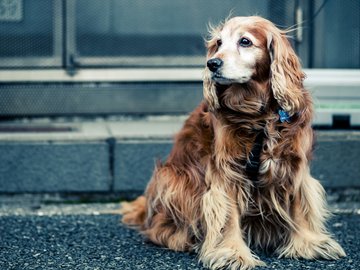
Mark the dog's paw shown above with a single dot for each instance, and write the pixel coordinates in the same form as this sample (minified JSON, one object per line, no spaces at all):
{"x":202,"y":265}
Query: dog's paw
{"x":133,"y":213}
{"x":316,"y":247}
{"x":227,"y":258}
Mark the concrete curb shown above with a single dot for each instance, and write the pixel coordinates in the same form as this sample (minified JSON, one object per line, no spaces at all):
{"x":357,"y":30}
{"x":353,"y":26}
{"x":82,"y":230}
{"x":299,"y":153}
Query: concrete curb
{"x":110,"y":157}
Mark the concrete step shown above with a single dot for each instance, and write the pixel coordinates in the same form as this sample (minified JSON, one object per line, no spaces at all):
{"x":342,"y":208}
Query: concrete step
{"x":118,"y":155}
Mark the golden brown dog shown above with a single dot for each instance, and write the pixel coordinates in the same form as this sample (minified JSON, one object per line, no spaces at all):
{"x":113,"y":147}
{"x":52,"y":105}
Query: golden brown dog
{"x":238,"y":174}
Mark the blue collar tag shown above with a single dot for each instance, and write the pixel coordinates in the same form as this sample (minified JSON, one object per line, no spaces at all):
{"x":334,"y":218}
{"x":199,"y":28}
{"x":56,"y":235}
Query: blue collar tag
{"x":284,"y":116}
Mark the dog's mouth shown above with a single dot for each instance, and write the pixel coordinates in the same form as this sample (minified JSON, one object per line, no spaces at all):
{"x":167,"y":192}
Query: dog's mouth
{"x":221,"y":83}
{"x":220,"y":79}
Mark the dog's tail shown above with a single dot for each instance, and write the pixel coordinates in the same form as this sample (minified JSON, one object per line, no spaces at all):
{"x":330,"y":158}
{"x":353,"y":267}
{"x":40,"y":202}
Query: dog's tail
{"x":134,"y":213}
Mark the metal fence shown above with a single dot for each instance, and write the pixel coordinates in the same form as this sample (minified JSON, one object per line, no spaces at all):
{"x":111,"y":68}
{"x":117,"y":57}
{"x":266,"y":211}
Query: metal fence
{"x":118,"y":33}
{"x":75,"y":35}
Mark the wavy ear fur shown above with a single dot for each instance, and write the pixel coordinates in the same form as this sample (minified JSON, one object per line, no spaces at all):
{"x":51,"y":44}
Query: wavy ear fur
{"x":209,"y":88}
{"x":286,"y":73}
{"x":209,"y":92}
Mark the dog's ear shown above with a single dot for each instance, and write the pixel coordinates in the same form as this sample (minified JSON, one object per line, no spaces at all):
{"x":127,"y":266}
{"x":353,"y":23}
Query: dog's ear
{"x":211,"y":46}
{"x":286,"y":74}
{"x":209,"y":91}
{"x":209,"y":88}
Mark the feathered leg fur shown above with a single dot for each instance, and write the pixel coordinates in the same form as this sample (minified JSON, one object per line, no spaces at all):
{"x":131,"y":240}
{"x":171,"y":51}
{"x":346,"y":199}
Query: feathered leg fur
{"x":311,"y":240}
{"x":224,"y":244}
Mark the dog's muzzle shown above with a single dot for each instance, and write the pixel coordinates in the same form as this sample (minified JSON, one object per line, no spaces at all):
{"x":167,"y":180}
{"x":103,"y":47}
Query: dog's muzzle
{"x":215,"y":65}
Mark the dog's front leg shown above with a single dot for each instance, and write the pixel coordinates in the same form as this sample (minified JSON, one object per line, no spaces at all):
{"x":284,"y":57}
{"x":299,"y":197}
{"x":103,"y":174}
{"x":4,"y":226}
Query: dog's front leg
{"x":223,"y":246}
{"x":310,"y":239}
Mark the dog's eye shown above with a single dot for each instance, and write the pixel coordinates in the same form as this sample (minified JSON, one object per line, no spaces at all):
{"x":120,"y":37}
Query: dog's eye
{"x":244,"y":42}
{"x":218,"y":43}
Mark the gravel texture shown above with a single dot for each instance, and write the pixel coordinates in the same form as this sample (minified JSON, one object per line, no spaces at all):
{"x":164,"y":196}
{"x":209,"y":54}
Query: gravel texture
{"x":95,"y":240}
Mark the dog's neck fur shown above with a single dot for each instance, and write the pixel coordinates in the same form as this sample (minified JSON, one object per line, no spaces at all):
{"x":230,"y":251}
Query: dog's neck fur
{"x":247,"y":116}
{"x":246,"y":106}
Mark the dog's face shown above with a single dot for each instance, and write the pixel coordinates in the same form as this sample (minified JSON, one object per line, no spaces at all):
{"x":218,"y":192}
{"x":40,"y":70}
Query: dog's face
{"x":248,"y":51}
{"x":236,"y":51}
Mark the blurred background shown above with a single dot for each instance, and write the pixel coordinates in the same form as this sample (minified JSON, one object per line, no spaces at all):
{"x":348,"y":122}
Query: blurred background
{"x":53,"y":46}
{"x":71,"y":69}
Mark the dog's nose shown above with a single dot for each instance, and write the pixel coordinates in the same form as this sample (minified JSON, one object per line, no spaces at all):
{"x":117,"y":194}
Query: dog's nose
{"x":214,"y":64}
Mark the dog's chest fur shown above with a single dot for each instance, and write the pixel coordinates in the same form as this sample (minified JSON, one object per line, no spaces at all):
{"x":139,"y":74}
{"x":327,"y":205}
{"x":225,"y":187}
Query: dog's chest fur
{"x":264,"y":200}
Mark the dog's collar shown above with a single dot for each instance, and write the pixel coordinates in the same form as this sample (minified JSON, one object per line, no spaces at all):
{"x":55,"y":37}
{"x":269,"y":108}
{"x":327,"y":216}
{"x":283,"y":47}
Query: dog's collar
{"x":284,"y":116}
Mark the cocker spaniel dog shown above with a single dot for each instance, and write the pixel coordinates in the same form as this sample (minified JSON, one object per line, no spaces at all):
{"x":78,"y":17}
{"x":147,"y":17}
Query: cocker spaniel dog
{"x":238,"y":175}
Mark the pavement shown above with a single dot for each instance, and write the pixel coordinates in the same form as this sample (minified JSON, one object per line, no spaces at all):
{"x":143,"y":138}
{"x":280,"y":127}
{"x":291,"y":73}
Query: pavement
{"x":65,"y":235}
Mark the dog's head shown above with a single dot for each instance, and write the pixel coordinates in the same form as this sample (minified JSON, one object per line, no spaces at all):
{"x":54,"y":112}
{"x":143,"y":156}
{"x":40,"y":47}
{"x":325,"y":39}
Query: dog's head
{"x":248,"y":51}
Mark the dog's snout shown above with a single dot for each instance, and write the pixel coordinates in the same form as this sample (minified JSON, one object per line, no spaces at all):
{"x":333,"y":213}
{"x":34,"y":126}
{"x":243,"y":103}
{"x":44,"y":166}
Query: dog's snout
{"x":214,"y":64}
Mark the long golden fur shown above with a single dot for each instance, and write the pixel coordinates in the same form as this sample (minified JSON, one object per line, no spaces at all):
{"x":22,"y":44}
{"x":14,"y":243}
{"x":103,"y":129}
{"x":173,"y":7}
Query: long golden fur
{"x":203,"y":199}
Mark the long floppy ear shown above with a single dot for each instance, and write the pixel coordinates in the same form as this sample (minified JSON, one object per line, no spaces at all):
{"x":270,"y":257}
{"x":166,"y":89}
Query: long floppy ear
{"x":209,"y":88}
{"x":209,"y":92}
{"x":286,"y":74}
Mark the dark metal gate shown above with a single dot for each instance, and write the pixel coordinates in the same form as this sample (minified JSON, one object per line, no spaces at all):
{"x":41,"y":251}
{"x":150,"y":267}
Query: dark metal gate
{"x":66,"y":37}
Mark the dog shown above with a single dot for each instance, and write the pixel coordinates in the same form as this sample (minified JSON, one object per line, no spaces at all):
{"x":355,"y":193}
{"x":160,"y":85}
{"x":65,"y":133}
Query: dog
{"x":238,"y":178}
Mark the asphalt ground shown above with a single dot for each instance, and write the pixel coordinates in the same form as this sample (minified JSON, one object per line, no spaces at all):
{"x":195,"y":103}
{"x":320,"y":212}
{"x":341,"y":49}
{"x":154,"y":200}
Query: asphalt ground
{"x":87,"y":237}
